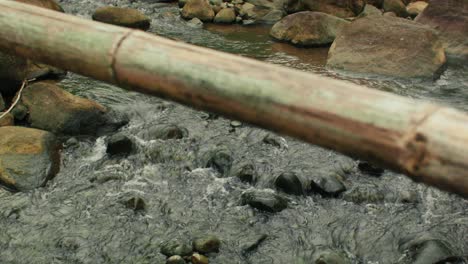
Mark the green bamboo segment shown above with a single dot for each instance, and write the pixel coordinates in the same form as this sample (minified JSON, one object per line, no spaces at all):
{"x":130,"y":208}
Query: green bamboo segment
{"x":426,"y":141}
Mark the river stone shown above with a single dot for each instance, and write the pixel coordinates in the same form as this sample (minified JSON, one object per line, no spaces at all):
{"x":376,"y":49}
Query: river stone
{"x":125,"y":17}
{"x":395,"y":6}
{"x":327,"y":185}
{"x":308,"y":28}
{"x":135,"y":203}
{"x":388,"y":48}
{"x":289,"y":183}
{"x":226,"y":16}
{"x":28,"y":157}
{"x":56,"y":110}
{"x":264,"y":200}
{"x":175,"y":260}
{"x":119,"y":145}
{"x":176,"y":247}
{"x":199,"y":259}
{"x":338,"y":8}
{"x":370,"y":169}
{"x":451,"y":21}
{"x":7,"y":120}
{"x":370,"y":10}
{"x":207,"y":244}
{"x":20,"y":112}
{"x":200,"y":9}
{"x":416,"y":8}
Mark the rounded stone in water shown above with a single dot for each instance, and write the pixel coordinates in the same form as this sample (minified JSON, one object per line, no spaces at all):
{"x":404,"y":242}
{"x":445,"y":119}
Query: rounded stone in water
{"x":176,"y":247}
{"x":208,"y":244}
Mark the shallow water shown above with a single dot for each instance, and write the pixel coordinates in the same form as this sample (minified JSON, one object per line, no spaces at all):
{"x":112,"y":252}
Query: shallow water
{"x":81,"y":217}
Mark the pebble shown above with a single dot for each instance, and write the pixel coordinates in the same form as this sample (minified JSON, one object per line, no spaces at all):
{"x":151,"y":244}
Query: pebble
{"x":236,"y":124}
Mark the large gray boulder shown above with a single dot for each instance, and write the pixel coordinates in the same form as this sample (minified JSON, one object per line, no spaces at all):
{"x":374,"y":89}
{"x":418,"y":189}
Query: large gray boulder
{"x":308,"y":28}
{"x":28,"y":157}
{"x":388,"y":46}
{"x":451,"y":21}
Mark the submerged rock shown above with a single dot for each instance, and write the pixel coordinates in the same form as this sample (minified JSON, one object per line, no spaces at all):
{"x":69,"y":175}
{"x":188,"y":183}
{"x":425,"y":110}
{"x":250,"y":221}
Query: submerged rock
{"x":207,"y":244}
{"x":28,"y":157}
{"x":246,"y":173}
{"x":364,"y":194}
{"x":220,"y":160}
{"x":226,"y":16}
{"x":426,"y":248}
{"x":289,"y":183}
{"x":125,"y":17}
{"x":328,"y":256}
{"x":176,"y":247}
{"x":119,"y":145}
{"x":451,"y":21}
{"x":164,"y":132}
{"x":53,"y":109}
{"x":200,"y":9}
{"x":265,"y":201}
{"x":388,"y":46}
{"x":308,"y":28}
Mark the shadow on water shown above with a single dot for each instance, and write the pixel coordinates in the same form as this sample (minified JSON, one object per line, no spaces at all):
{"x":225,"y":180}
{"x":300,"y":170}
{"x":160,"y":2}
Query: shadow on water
{"x":83,"y":215}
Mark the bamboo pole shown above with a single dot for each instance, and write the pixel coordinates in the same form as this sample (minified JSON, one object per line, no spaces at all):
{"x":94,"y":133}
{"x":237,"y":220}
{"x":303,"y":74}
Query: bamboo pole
{"x":427,"y":142}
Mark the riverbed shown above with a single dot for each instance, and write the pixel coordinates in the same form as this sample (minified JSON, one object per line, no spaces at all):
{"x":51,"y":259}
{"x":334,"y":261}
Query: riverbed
{"x":82,"y":215}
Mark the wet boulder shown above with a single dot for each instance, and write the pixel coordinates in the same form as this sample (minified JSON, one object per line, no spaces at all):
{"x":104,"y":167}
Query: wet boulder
{"x":370,"y":169}
{"x":416,"y":8}
{"x":56,"y":110}
{"x":264,"y":11}
{"x":7,"y":120}
{"x":200,"y":9}
{"x":308,"y":28}
{"x":339,"y":8}
{"x":226,"y":16}
{"x":289,"y":183}
{"x":119,"y":145}
{"x":451,"y":21}
{"x":395,"y":6}
{"x":28,"y":157}
{"x":125,"y":17}
{"x":264,"y":200}
{"x":206,"y":244}
{"x":391,"y":47}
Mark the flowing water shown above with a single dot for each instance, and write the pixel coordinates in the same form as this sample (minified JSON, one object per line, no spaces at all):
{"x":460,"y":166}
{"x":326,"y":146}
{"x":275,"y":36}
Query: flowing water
{"x":81,"y":216}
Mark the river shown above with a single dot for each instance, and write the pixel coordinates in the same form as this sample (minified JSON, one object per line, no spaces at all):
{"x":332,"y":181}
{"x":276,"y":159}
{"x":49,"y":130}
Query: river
{"x":81,"y":215}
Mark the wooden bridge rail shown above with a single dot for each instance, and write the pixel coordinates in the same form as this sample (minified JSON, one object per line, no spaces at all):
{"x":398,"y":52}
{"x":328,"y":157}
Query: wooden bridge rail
{"x":425,"y":141}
